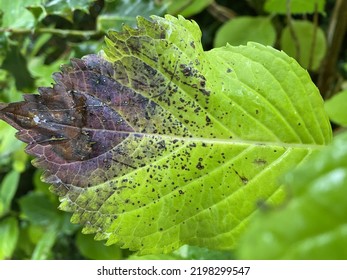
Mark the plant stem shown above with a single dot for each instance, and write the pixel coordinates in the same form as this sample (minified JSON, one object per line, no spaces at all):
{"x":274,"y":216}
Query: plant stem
{"x":59,"y":32}
{"x":220,"y":12}
{"x":292,"y":31}
{"x":314,"y":37}
{"x":337,"y":29}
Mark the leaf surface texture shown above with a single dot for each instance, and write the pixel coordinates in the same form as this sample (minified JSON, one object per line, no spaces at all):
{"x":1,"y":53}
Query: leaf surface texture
{"x":156,"y":143}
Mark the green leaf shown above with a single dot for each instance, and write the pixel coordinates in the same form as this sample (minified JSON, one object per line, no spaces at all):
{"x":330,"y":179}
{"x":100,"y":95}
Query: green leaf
{"x":3,"y":44}
{"x":96,"y":250}
{"x":8,"y":144}
{"x":117,"y":13}
{"x":313,"y":225}
{"x":40,"y":71}
{"x":160,"y":144}
{"x":15,"y":14}
{"x":10,"y":92}
{"x":187,"y":252}
{"x":14,"y":61}
{"x":336,"y":108}
{"x":198,"y":253}
{"x":62,"y":8}
{"x":241,"y":30}
{"x":36,"y":208}
{"x":309,"y":55}
{"x":157,"y":257}
{"x":8,"y":188}
{"x":296,"y":6}
{"x":43,"y":248}
{"x":187,"y":8}
{"x":8,"y":236}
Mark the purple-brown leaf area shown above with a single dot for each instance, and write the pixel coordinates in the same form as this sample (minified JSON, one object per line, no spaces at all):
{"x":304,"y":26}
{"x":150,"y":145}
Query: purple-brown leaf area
{"x":84,"y":129}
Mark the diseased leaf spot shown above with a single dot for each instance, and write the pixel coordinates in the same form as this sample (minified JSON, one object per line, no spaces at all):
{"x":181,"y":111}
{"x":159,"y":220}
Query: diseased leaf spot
{"x":260,"y":161}
{"x":242,"y":178}
{"x":200,"y":166}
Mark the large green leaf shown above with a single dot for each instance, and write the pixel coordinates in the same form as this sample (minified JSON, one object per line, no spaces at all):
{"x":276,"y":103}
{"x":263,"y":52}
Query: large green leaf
{"x":158,"y":143}
{"x":241,"y":30}
{"x":313,"y":225}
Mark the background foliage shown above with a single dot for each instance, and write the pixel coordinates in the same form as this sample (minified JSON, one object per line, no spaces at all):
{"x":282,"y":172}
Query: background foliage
{"x":36,"y":37}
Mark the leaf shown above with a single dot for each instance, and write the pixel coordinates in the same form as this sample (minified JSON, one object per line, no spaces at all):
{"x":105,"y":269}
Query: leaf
{"x":296,"y":6}
{"x":9,"y":236}
{"x":313,"y":225}
{"x":336,"y":108}
{"x":9,"y":146}
{"x":14,"y":61}
{"x":187,"y":252}
{"x":241,"y":30}
{"x":15,"y":14}
{"x":187,"y":8}
{"x":96,"y":250}
{"x":159,"y":144}
{"x":43,"y":248}
{"x":36,"y":208}
{"x":117,"y":13}
{"x":38,"y":69}
{"x":62,"y":8}
{"x":198,"y":253}
{"x":3,"y":44}
{"x":305,"y":32}
{"x":8,"y":187}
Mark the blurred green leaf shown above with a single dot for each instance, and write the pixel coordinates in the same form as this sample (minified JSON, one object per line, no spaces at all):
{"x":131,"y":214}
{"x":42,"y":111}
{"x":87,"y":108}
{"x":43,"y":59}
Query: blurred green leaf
{"x":42,"y":187}
{"x":37,"y":44}
{"x":313,"y":225}
{"x":153,"y":257}
{"x":66,"y":227}
{"x":188,"y":252}
{"x":43,"y":72}
{"x":14,"y":61}
{"x":8,"y":188}
{"x":9,"y":92}
{"x":241,"y":30}
{"x":96,"y":250}
{"x":296,"y":6}
{"x":19,"y":159}
{"x":199,"y":253}
{"x":24,"y":246}
{"x":38,"y":209}
{"x":305,"y":31}
{"x":8,"y":144}
{"x":117,"y":13}
{"x":87,"y":47}
{"x":61,"y":8}
{"x":187,"y":8}
{"x":15,"y":14}
{"x":43,"y":248}
{"x":8,"y":237}
{"x":3,"y":45}
{"x":336,"y":108}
